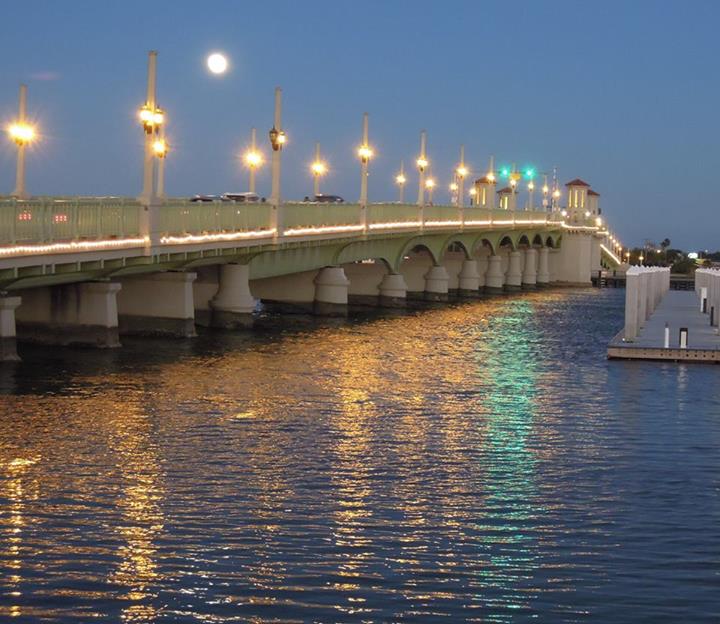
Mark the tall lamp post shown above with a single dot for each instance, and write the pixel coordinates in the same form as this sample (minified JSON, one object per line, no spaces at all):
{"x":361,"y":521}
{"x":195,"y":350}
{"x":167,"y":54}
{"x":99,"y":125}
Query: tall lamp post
{"x":422,"y":163}
{"x":277,"y":140}
{"x":318,"y":169}
{"x":22,"y":134}
{"x":461,"y":173}
{"x":253,"y":159}
{"x":365,"y":153}
{"x":400,"y":180}
{"x":430,"y":186}
{"x":152,"y":118}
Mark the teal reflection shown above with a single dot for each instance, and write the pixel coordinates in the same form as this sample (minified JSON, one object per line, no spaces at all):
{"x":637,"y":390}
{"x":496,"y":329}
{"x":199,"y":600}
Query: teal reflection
{"x":506,"y":521}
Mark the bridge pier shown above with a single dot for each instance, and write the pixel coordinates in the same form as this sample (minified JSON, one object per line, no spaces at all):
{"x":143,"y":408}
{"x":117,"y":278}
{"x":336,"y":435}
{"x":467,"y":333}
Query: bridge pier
{"x":331,"y":292}
{"x":543,"y":272}
{"x":82,"y":314}
{"x":365,"y":279}
{"x":513,"y":277}
{"x":436,"y":284}
{"x":482,"y":267}
{"x":529,"y":274}
{"x":494,"y":278}
{"x":159,"y":304}
{"x":393,"y":291}
{"x":469,"y":279}
{"x":233,"y":304}
{"x":8,"y":341}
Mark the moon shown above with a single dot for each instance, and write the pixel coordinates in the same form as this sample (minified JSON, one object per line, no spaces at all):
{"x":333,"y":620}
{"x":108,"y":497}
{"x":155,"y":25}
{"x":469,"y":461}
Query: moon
{"x":217,"y":63}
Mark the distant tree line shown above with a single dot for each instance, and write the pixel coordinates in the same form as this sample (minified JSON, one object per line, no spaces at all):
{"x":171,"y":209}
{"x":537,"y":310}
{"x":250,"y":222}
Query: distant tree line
{"x":651,"y":254}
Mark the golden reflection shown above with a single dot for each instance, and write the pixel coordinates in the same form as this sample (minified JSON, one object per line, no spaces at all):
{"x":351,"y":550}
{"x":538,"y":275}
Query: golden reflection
{"x":19,"y":487}
{"x":135,"y":443}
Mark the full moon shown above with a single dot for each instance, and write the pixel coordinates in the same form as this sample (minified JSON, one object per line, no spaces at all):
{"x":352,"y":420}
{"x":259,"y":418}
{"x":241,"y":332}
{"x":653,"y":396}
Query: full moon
{"x":217,"y":63}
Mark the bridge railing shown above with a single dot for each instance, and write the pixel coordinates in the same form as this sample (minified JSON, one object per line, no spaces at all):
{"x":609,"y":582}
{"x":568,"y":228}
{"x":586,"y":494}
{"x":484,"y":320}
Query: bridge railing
{"x":58,"y":220}
{"x":183,"y":217}
{"x":48,"y":220}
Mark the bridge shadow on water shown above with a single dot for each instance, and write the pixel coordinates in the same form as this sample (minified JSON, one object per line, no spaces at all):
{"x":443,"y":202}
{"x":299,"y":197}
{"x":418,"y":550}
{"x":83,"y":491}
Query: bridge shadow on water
{"x":49,"y":369}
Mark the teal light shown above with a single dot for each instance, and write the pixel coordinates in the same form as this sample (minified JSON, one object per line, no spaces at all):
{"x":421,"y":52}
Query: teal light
{"x":504,"y":172}
{"x":530,"y":173}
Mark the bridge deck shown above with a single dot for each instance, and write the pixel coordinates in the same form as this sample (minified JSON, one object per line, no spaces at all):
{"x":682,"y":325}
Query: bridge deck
{"x":678,"y":309}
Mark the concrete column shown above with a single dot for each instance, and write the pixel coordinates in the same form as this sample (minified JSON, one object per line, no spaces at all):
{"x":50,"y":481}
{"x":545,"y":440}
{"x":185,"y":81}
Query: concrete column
{"x":513,"y":277}
{"x":543,"y":274}
{"x":331,"y":292}
{"x":436,"y":284}
{"x":158,"y":304}
{"x":632,"y":304}
{"x":469,"y":279}
{"x":83,"y":314}
{"x":529,"y":275}
{"x":494,"y":278}
{"x":393,"y":291}
{"x":482,"y":265}
{"x":642,"y":300}
{"x":8,"y":347}
{"x":233,"y":304}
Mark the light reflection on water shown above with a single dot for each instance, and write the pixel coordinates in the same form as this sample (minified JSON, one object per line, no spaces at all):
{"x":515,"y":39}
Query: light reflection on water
{"x":481,"y":462}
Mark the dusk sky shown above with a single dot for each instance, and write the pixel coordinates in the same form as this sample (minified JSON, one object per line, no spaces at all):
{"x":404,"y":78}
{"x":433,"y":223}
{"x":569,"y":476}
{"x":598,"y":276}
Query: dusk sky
{"x":622,"y":94}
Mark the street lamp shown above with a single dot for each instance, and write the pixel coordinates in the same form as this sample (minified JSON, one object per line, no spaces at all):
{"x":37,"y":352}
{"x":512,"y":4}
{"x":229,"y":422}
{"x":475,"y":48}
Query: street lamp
{"x":473,"y":194}
{"x":400,"y":180}
{"x":152,"y":118}
{"x":430,"y":185}
{"x":253,"y":159}
{"x":277,"y":140}
{"x":365,"y":153}
{"x":531,"y":195}
{"x":318,"y":169}
{"x":22,"y":133}
{"x":422,"y":164}
{"x":461,"y":173}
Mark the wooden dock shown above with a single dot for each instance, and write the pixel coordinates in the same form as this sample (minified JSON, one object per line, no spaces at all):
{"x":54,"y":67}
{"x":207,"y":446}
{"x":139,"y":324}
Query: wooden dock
{"x":678,"y":309}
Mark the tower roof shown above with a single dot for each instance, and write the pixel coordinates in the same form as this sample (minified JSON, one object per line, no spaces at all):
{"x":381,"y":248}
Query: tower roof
{"x":484,"y":180}
{"x":577,"y":182}
{"x":594,"y":193}
{"x":507,"y":189}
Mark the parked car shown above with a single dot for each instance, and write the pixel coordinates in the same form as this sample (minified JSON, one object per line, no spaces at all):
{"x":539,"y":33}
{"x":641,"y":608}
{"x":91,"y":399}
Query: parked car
{"x":328,"y":199}
{"x":205,"y":198}
{"x":247,"y":198}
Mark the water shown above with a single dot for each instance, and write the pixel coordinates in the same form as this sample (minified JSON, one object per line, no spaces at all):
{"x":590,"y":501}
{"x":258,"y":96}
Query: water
{"x":480,"y":462}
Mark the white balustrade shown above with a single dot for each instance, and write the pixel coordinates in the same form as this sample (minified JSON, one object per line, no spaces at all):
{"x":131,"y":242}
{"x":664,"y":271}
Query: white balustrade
{"x":644,"y":289}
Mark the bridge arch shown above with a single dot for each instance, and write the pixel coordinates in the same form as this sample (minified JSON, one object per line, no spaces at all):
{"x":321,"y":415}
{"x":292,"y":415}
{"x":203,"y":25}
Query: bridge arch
{"x":537,"y":240}
{"x":432,"y":244}
{"x":506,"y":240}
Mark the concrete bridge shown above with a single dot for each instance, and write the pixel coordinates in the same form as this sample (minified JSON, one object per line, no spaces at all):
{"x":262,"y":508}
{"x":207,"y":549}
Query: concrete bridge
{"x":87,"y":270}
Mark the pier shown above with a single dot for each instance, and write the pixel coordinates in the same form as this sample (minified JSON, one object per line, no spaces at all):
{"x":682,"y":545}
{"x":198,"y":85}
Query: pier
{"x":665,"y":324}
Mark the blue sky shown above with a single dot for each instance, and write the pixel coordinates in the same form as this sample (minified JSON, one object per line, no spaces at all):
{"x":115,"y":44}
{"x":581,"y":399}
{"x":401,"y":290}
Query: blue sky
{"x":622,"y":94}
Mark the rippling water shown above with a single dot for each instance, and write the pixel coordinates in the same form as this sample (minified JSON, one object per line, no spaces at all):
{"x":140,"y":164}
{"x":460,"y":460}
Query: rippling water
{"x":480,"y":462}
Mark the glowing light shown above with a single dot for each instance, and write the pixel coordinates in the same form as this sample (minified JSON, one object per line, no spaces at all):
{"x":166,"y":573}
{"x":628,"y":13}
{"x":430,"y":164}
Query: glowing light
{"x":23,"y":250}
{"x":556,"y":193}
{"x":421,"y":163}
{"x":531,"y":186}
{"x":598,"y":221}
{"x":564,"y":213}
{"x":212,"y":238}
{"x":610,"y":253}
{"x":530,"y":173}
{"x":587,"y":214}
{"x":365,"y":153}
{"x":462,"y":171}
{"x":21,"y":133}
{"x":491,"y":177}
{"x":473,"y":191}
{"x":160,"y":148}
{"x":453,"y":186}
{"x":504,"y":172}
{"x":545,"y":189}
{"x":400,"y":179}
{"x":318,"y":168}
{"x":158,"y":117}
{"x":217,"y":63}
{"x":146,"y":115}
{"x":281,"y":138}
{"x":430,"y":183}
{"x":253,"y":158}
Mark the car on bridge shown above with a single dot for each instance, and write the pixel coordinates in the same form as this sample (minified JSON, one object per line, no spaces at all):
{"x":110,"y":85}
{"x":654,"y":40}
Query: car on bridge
{"x":247,"y":198}
{"x":322,"y":198}
{"x":205,"y":198}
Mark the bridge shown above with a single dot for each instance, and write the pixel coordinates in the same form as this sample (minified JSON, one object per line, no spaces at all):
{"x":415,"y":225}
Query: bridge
{"x":86,"y":270}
